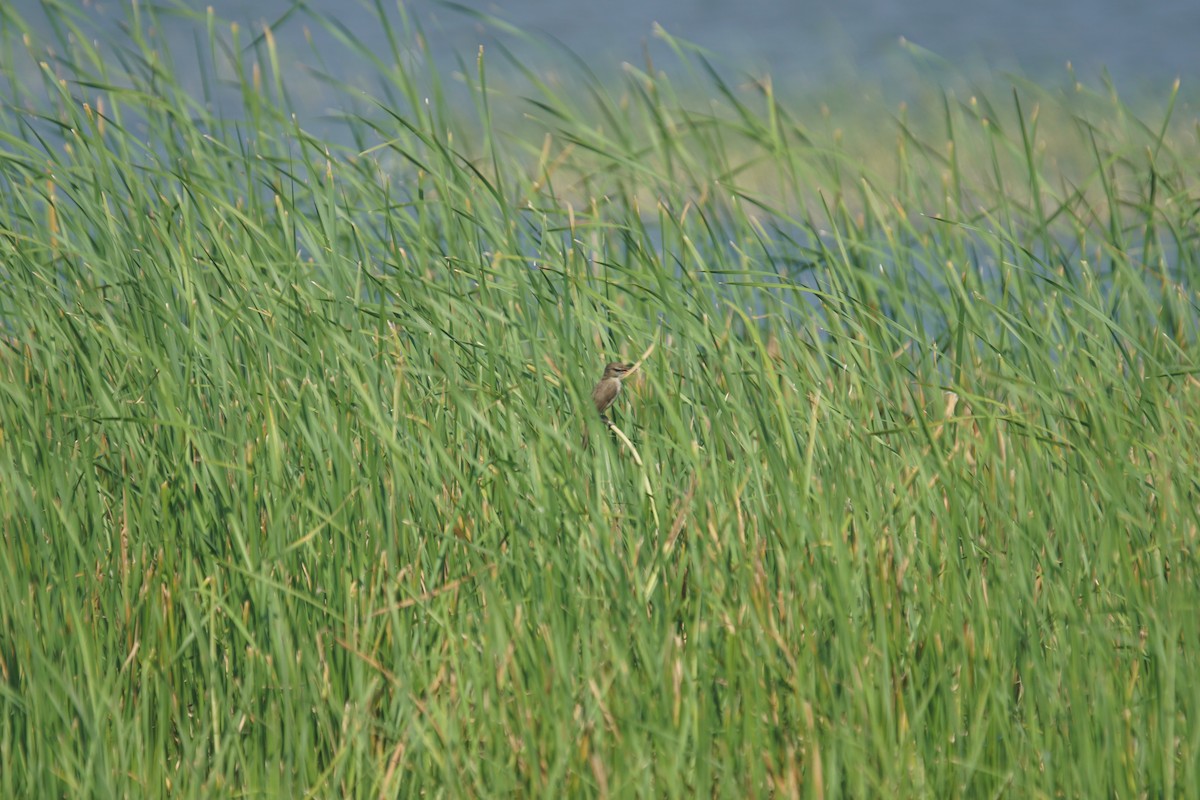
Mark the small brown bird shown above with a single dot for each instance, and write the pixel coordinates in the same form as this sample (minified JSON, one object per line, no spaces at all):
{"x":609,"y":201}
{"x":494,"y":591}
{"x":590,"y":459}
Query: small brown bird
{"x":609,"y":387}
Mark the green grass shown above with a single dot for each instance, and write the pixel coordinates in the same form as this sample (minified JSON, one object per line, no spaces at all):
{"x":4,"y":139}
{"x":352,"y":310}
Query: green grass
{"x":293,"y":496}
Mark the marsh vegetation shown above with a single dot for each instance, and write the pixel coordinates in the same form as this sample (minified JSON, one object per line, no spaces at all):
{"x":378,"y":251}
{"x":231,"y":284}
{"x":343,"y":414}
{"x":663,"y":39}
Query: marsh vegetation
{"x":292,"y":495}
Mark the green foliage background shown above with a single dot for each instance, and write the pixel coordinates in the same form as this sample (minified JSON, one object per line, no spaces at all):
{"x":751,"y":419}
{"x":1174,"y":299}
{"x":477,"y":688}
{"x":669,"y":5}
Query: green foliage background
{"x":300,"y":494}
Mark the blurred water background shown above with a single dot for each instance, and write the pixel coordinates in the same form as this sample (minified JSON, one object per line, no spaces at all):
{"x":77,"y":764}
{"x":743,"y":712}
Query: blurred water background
{"x":816,"y":45}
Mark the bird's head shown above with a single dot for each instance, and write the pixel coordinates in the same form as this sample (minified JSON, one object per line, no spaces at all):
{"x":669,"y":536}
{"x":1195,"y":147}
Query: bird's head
{"x":616,"y":369}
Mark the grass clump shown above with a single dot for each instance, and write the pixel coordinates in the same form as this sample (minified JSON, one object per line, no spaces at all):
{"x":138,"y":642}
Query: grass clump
{"x":293,"y":499}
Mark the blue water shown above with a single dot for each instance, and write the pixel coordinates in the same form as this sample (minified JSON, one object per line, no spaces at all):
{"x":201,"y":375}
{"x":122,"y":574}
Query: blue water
{"x":801,"y":45}
{"x":1143,"y":45}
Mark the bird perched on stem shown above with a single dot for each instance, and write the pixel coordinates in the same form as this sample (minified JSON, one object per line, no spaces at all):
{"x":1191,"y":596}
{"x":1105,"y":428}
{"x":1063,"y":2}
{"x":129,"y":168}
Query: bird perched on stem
{"x":609,"y":387}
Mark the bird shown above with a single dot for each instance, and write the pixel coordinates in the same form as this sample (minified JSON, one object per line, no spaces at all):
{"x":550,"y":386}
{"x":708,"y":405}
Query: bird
{"x":609,"y":387}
